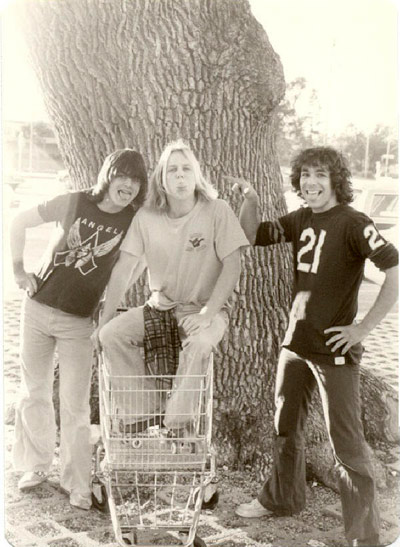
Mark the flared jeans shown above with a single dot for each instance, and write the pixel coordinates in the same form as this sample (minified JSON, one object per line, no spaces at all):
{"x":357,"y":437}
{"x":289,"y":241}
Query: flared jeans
{"x":285,"y":491}
{"x":43,"y":330}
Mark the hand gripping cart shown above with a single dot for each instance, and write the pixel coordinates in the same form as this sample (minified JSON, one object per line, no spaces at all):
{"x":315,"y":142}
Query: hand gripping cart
{"x":156,"y":480}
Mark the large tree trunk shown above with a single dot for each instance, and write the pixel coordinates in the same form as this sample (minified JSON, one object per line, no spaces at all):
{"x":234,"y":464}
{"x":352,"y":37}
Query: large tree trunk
{"x":139,"y":73}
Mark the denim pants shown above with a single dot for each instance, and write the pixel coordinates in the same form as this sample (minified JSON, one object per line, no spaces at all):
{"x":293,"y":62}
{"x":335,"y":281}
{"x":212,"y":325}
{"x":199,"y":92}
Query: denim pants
{"x":43,"y":329}
{"x":119,"y":339}
{"x":285,"y":490}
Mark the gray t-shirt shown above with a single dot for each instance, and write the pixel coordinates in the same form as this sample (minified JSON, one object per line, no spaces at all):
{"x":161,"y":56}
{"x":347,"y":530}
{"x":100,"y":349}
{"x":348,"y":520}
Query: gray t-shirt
{"x":184,"y":255}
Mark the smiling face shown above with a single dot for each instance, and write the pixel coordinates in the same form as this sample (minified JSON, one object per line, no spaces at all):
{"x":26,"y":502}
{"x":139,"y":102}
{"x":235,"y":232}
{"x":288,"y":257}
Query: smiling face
{"x":122,"y":191}
{"x":180,"y":180}
{"x":316,"y":188}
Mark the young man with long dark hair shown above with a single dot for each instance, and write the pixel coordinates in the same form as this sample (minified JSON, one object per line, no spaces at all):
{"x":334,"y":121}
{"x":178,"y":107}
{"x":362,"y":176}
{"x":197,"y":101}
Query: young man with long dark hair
{"x":57,"y":311}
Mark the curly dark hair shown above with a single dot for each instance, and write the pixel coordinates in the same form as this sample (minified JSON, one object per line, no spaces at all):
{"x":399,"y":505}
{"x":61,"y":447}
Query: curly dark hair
{"x":334,"y":161}
{"x":123,"y":162}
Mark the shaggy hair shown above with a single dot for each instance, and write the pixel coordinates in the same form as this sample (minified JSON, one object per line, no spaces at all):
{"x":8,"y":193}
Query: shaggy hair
{"x":121,"y":163}
{"x":156,"y":196}
{"x":331,"y":159}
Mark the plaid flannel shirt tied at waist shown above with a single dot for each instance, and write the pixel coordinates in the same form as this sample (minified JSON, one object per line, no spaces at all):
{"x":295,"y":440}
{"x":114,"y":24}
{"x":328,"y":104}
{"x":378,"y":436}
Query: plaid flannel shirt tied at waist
{"x":161,"y":341}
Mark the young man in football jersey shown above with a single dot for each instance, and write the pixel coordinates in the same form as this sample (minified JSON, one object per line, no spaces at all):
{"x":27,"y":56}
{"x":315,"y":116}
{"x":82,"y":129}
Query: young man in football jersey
{"x":57,"y":310}
{"x":322,"y":346}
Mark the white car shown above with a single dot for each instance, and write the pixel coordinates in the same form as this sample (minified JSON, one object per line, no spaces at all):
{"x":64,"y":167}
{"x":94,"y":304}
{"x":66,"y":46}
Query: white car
{"x":379,"y":199}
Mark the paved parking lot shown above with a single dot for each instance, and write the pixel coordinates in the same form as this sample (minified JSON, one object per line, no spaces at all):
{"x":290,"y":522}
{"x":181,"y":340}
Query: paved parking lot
{"x":44,"y":517}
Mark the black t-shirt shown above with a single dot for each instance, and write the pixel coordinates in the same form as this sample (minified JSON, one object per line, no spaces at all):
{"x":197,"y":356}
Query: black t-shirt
{"x":329,"y":251}
{"x":77,"y":264}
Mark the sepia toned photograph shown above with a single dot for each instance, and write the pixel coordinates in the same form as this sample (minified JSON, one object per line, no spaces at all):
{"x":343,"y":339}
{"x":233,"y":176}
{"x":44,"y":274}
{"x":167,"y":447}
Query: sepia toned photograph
{"x":200,"y":273}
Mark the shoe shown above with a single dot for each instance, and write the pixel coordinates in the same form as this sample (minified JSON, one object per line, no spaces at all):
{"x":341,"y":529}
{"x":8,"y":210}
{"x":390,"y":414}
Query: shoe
{"x":84,"y":505}
{"x":77,"y":501}
{"x":253,"y":509}
{"x":31,"y":479}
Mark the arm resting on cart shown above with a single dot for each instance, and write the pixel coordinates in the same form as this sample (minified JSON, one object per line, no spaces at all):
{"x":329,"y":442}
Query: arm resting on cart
{"x":126,"y":271}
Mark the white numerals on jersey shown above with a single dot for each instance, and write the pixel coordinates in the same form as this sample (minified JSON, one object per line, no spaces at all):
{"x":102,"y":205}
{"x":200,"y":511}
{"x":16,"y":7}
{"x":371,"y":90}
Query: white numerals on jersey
{"x":374,"y":239}
{"x":312,"y":244}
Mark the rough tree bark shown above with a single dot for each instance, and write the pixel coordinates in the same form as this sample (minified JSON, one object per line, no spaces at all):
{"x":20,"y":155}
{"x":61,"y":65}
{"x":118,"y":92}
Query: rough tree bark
{"x":139,"y":73}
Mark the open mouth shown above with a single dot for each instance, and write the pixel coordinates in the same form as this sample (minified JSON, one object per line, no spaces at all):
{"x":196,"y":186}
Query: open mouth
{"x":124,"y":194}
{"x":313,"y":193}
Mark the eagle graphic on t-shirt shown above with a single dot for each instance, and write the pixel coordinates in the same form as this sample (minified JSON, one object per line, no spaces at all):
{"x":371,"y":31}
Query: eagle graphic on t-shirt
{"x":82,"y":253}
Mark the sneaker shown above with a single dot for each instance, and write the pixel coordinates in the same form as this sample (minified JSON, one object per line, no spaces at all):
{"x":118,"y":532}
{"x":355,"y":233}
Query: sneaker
{"x":253,"y":509}
{"x":82,"y":503}
{"x":31,"y":479}
{"x":372,"y":541}
{"x":76,"y":500}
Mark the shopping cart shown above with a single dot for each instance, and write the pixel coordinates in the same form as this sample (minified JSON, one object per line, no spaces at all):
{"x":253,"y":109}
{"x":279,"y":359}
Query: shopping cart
{"x":156,"y":480}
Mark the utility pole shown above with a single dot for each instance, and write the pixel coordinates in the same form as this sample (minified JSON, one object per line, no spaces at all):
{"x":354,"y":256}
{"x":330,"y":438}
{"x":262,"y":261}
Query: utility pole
{"x":20,"y":141}
{"x":30,"y":145}
{"x":387,"y":157}
{"x":366,"y":158}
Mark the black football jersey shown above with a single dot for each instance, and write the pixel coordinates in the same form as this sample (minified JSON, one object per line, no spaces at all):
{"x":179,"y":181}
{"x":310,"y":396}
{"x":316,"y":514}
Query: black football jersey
{"x":329,"y":251}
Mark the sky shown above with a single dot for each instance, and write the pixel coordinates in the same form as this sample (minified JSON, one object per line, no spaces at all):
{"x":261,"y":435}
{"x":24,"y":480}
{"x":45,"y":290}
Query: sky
{"x":346,"y":49}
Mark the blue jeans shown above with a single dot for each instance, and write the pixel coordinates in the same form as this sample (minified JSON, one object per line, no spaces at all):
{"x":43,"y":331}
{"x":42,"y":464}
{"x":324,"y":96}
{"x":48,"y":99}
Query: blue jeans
{"x":339,"y":389}
{"x":43,"y":329}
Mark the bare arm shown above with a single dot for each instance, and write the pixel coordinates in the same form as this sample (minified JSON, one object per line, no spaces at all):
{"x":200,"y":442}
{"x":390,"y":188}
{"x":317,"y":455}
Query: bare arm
{"x":223,"y":289}
{"x":249,"y":217}
{"x":126,"y":271}
{"x":349,"y":335}
{"x":25,"y":219}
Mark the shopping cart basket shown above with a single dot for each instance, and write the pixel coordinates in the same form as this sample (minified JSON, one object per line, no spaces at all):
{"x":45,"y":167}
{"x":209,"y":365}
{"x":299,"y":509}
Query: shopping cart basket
{"x":155,"y":478}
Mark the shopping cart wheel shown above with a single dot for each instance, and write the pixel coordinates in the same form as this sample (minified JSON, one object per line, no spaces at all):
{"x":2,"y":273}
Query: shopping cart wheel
{"x":197,"y":542}
{"x":211,"y":503}
{"x":130,"y":538}
{"x":211,"y":497}
{"x":99,"y":497}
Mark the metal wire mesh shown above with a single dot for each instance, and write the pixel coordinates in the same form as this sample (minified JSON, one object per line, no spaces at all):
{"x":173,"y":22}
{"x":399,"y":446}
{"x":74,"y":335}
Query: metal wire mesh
{"x":132,"y":421}
{"x":155,"y":476}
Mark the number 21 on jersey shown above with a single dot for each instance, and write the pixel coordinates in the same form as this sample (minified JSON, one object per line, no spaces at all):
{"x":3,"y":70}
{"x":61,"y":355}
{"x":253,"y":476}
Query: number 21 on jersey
{"x":314,"y":245}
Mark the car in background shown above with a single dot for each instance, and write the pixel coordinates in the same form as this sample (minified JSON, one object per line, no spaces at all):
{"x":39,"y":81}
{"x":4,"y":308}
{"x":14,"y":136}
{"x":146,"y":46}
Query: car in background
{"x":379,"y":199}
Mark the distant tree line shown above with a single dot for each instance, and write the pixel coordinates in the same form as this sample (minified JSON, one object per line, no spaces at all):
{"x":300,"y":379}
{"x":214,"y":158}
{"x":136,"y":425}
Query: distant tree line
{"x":299,"y":125}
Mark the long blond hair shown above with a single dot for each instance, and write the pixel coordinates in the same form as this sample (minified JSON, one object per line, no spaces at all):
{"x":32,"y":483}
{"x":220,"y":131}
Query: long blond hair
{"x":156,"y":196}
